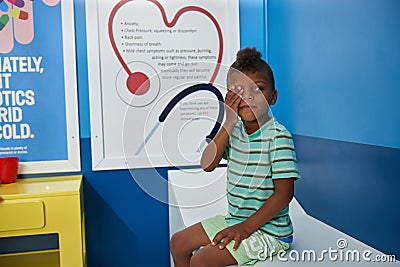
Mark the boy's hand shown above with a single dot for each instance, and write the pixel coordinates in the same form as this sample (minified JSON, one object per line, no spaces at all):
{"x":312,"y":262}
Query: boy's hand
{"x":236,"y":232}
{"x":232,"y":100}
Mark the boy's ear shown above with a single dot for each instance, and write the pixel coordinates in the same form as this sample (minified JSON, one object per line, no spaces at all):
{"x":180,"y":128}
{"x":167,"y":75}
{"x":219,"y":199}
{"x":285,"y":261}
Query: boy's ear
{"x":273,"y":98}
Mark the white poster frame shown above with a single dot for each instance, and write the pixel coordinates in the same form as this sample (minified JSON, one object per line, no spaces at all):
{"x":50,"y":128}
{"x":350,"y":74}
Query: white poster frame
{"x":100,"y":158}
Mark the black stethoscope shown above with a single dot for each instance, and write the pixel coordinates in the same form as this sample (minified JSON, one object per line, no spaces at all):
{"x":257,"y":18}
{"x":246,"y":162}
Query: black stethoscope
{"x":176,"y":99}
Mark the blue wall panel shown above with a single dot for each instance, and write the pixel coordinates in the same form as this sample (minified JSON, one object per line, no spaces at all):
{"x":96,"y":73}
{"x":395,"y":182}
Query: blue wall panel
{"x":337,"y":65}
{"x":82,"y":68}
{"x":253,"y":32}
{"x":125,"y":227}
{"x":352,"y":187}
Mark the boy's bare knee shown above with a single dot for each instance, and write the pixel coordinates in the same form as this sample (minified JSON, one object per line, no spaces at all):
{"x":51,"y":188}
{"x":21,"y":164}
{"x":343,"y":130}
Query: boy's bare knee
{"x":174,"y":243}
{"x":210,"y":256}
{"x":178,"y":244}
{"x":198,"y":260}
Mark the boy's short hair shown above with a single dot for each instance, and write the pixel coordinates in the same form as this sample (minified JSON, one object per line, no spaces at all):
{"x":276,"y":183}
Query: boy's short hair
{"x":250,"y":60}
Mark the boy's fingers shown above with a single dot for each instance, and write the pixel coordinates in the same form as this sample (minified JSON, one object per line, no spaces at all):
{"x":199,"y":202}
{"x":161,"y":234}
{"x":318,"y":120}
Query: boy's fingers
{"x":217,"y":238}
{"x":231,"y":94}
{"x":237,"y":90}
{"x":237,"y":243}
{"x":225,"y":242}
{"x":237,"y":100}
{"x":233,"y":101}
{"x":221,"y":239}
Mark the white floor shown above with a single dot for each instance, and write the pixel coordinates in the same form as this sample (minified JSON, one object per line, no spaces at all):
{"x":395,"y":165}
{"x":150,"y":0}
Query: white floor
{"x":195,"y":195}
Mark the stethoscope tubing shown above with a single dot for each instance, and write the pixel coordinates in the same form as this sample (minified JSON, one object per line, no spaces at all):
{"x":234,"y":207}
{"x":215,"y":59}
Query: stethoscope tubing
{"x":192,"y":89}
{"x":181,"y":95}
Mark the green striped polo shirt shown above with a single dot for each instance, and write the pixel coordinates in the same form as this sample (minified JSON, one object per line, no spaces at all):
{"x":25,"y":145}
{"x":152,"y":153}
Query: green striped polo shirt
{"x":253,"y":162}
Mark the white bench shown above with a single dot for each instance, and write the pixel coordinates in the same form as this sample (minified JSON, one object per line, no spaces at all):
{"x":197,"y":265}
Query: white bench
{"x":195,"y":195}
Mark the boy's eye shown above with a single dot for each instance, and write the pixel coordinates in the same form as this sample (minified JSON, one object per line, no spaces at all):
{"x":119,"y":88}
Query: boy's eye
{"x":259,"y":88}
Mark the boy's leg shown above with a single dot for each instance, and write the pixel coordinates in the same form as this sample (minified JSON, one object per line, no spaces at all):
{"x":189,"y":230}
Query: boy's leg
{"x":183,"y":243}
{"x":212,"y":256}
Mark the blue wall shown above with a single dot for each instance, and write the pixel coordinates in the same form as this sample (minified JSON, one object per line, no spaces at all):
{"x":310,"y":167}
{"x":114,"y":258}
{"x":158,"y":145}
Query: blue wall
{"x":337,"y":66}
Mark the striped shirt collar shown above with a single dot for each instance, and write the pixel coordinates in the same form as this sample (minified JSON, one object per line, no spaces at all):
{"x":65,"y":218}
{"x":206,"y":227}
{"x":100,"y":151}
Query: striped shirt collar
{"x":257,"y":133}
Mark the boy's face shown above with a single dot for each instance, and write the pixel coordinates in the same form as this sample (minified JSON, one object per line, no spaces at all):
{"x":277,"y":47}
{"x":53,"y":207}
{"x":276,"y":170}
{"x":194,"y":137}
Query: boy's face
{"x":256,"y":95}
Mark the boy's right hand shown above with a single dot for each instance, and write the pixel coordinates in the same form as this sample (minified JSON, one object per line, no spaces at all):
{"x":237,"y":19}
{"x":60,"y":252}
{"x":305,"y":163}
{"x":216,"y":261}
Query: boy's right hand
{"x":232,"y":100}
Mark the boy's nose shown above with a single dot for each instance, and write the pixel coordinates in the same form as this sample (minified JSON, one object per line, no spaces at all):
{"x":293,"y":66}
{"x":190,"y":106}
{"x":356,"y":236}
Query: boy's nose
{"x":247,"y":94}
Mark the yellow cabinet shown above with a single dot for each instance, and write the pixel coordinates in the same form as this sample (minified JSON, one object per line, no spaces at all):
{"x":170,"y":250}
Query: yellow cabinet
{"x":36,"y":206}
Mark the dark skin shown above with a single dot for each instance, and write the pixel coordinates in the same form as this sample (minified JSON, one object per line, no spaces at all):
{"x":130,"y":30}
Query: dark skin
{"x":248,"y":97}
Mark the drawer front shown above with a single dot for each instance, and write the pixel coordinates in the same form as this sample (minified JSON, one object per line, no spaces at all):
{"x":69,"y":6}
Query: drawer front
{"x":21,"y":215}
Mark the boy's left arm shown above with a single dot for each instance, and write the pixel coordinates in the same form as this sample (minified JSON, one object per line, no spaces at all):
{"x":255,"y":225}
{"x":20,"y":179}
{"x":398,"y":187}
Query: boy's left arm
{"x":283,"y":194}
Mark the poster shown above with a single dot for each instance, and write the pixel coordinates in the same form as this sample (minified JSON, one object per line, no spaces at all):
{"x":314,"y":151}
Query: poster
{"x":157,"y":72}
{"x":38,"y":102}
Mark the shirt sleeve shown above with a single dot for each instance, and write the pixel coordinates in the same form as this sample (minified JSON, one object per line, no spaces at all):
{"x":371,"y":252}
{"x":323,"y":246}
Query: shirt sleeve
{"x":284,"y":161}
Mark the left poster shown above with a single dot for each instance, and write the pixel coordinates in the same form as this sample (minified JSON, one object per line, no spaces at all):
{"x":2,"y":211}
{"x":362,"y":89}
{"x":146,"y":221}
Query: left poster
{"x":38,"y":93}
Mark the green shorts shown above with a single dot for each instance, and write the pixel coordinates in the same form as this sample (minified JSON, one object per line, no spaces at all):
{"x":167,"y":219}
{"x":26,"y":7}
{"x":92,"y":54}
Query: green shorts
{"x":257,"y":247}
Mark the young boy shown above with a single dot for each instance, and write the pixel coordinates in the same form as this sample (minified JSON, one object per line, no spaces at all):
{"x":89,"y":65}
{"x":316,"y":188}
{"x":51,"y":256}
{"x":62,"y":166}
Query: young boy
{"x":261,"y":170}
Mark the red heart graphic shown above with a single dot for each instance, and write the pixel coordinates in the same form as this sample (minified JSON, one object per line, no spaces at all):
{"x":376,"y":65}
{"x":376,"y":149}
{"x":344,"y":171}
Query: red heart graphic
{"x":138,"y":82}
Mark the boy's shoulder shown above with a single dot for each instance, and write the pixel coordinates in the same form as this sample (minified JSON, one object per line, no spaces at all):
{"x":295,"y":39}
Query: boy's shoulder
{"x":276,"y":126}
{"x":272,"y":128}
